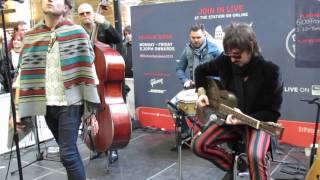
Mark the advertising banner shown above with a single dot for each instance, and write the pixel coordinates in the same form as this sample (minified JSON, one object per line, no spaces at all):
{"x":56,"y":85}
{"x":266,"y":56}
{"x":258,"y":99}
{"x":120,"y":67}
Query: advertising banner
{"x":307,"y":33}
{"x":161,"y":31}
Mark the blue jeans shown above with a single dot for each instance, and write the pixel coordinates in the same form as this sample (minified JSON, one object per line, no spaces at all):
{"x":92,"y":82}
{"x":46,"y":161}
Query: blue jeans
{"x":64,"y":122}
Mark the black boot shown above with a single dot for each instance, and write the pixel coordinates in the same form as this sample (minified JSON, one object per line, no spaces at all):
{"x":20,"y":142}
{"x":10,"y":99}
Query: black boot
{"x":113,"y":156}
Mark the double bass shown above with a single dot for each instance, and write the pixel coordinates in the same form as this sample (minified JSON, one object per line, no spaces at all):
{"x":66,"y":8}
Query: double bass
{"x":113,"y":117}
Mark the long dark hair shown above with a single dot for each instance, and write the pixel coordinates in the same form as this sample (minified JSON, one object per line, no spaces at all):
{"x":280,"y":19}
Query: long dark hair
{"x":240,"y":36}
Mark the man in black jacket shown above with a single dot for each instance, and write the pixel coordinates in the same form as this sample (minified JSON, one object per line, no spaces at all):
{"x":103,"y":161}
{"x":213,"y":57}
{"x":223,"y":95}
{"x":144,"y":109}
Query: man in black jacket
{"x":127,"y":51}
{"x":258,"y":87}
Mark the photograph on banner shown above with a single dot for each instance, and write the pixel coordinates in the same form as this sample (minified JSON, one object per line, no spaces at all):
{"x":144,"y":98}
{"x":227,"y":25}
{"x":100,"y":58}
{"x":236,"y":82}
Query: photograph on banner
{"x":307,"y":39}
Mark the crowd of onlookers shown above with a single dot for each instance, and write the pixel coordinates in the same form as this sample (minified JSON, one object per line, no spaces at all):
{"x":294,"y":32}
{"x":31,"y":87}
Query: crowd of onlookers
{"x":13,"y":47}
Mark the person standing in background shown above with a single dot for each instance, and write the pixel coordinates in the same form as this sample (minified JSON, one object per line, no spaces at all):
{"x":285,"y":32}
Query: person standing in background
{"x":127,"y":51}
{"x":127,"y":55}
{"x":20,"y":28}
{"x":197,"y":51}
{"x":16,"y":42}
{"x":129,"y":86}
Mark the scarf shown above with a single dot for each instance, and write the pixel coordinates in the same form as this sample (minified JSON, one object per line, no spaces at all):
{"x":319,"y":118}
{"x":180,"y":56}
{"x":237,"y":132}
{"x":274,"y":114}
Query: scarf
{"x":198,"y":55}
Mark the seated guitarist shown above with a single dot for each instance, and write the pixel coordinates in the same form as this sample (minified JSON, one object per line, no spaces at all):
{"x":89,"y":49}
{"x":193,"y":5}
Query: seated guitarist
{"x":257,"y":85}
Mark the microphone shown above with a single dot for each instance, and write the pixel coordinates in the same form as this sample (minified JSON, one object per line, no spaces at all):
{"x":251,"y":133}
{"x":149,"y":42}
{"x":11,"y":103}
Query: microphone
{"x":216,"y":119}
{"x":313,"y":101}
{"x":212,"y":117}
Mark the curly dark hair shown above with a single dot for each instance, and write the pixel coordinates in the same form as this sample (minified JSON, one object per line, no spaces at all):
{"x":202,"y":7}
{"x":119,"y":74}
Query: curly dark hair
{"x":240,"y":36}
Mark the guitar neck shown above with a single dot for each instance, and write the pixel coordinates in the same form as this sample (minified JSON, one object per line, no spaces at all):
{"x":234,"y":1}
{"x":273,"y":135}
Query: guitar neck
{"x":270,"y":128}
{"x":250,"y":121}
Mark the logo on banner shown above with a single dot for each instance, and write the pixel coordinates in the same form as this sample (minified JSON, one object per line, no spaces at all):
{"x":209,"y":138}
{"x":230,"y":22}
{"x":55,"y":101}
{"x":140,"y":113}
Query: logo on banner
{"x":156,"y":83}
{"x":315,"y":90}
{"x":290,"y":43}
{"x":217,"y":37}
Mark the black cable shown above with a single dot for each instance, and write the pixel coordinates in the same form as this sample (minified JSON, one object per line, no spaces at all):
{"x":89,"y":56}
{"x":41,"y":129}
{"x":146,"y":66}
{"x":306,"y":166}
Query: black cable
{"x":9,"y":80}
{"x":9,"y":163}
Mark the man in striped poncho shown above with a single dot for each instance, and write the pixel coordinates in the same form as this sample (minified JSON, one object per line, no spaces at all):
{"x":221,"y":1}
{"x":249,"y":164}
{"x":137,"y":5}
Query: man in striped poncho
{"x":58,"y":79}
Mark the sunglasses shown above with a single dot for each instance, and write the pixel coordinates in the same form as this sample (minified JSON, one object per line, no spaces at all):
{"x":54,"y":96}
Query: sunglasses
{"x":236,"y":55}
{"x":85,"y":13}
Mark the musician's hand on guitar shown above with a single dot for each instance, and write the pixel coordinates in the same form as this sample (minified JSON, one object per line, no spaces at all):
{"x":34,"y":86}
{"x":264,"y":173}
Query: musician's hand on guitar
{"x":232,"y":120}
{"x":202,"y":101}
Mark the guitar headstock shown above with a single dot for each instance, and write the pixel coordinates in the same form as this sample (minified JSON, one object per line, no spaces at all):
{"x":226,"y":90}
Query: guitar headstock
{"x":274,"y":128}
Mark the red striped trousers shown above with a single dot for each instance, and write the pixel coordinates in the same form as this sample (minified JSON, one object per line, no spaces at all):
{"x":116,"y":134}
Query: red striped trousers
{"x":208,"y":146}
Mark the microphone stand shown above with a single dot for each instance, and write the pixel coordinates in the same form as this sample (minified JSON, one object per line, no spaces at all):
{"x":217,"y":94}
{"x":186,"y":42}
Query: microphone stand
{"x":39,"y":155}
{"x":9,"y":81}
{"x":118,"y":24}
{"x":315,"y":134}
{"x":179,"y":116}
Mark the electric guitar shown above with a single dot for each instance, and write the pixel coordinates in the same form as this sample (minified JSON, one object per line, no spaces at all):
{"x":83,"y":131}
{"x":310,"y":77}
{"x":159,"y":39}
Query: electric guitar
{"x":314,"y":171}
{"x":223,"y":103}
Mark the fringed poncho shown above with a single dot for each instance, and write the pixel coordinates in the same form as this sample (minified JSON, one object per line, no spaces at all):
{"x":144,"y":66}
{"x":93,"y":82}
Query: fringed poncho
{"x":76,"y":59}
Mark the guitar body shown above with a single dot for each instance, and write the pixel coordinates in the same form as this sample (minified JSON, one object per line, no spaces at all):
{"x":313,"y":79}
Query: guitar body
{"x":314,"y":171}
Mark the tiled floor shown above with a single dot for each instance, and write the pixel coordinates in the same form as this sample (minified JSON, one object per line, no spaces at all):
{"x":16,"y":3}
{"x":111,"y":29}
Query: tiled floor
{"x":147,"y":157}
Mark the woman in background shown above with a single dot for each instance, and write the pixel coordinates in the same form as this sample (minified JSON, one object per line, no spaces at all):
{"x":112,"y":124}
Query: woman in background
{"x":15,"y":51}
